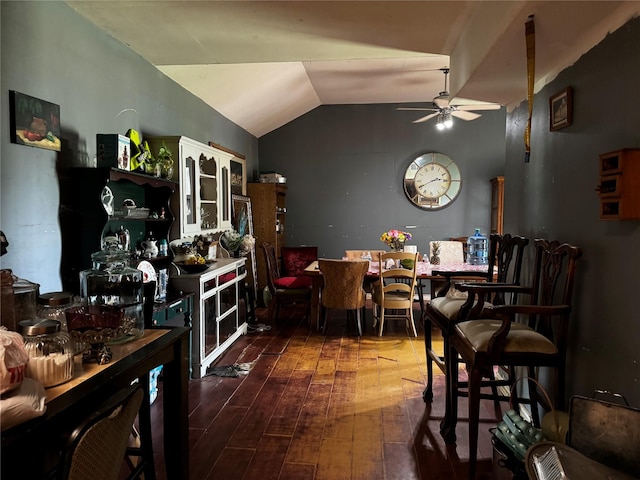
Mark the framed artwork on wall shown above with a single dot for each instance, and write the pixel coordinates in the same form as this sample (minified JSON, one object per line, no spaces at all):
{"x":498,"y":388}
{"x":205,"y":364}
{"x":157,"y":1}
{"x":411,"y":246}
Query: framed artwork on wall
{"x":238,"y":170}
{"x":34,"y":122}
{"x":561,"y":109}
{"x":238,"y":176}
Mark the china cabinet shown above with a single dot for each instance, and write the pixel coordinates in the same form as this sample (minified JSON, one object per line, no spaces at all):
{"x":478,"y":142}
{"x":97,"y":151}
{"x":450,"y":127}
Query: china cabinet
{"x":217,"y":319}
{"x":619,"y":188}
{"x":203,"y":172}
{"x":268,"y":202}
{"x":92,"y":209}
{"x":497,"y":204}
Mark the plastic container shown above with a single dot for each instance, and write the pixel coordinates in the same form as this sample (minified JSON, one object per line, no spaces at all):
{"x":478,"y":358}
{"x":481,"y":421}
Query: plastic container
{"x":477,"y":249}
{"x":50,"y":351}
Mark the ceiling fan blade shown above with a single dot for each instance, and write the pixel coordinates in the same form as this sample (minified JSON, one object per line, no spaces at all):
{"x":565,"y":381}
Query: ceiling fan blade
{"x":465,"y":115}
{"x":478,"y":107}
{"x":426,"y":117}
{"x":418,"y":109}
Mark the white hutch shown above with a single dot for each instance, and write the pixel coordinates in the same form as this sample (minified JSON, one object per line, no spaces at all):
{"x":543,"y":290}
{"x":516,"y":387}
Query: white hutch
{"x":202,"y":206}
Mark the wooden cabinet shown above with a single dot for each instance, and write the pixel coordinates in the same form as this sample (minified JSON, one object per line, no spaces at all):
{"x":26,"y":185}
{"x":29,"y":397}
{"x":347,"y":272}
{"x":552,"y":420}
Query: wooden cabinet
{"x":91,"y":208}
{"x":497,"y":205}
{"x":203,"y":203}
{"x":619,"y":187}
{"x":268,"y":202}
{"x":217,"y":318}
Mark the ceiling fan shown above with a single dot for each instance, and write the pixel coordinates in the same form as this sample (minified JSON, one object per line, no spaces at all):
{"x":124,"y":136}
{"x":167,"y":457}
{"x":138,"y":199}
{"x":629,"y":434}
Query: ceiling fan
{"x":445,"y":110}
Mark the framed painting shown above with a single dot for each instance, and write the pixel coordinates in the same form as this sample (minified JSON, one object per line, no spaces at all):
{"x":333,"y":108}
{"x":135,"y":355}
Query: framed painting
{"x":238,"y":176}
{"x":238,"y":170}
{"x":34,"y":122}
{"x":242,"y":219}
{"x":561,"y":109}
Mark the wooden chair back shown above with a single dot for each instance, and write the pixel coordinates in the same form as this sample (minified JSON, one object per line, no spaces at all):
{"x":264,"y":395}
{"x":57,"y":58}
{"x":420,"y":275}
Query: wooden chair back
{"x":358,"y":254}
{"x":343,"y":280}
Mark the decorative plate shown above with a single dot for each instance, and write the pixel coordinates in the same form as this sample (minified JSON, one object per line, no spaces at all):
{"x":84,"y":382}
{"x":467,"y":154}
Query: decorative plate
{"x":148,"y":272}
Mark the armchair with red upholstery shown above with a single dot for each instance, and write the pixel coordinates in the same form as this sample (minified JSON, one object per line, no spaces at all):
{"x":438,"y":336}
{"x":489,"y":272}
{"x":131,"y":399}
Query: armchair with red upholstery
{"x":285,"y":289}
{"x":296,"y":259}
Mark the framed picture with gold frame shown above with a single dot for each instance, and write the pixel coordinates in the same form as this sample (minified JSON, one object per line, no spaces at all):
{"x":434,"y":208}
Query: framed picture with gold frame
{"x":238,"y":170}
{"x":238,"y":176}
{"x":561,"y":109}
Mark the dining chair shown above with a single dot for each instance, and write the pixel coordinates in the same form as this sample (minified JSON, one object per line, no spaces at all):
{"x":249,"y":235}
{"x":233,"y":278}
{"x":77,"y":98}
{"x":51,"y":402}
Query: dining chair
{"x":284,"y":290}
{"x":446,"y":252}
{"x":530,"y":334}
{"x":296,"y":259}
{"x":97,"y":447}
{"x":374,"y":255}
{"x":395,"y":289}
{"x":359,"y":254}
{"x":504,"y":265}
{"x":343,"y":280}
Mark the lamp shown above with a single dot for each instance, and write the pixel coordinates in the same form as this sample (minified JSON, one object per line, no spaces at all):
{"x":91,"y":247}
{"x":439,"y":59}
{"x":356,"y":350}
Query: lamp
{"x":448,"y":120}
{"x":445,"y":120}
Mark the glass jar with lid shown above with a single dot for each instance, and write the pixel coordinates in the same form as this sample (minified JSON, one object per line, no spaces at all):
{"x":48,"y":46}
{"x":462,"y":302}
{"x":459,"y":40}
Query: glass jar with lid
{"x":111,"y":308}
{"x":53,"y":305}
{"x":50,"y":351}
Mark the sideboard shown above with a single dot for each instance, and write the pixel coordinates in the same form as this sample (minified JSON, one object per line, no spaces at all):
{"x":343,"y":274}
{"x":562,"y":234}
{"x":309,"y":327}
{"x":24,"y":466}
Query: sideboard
{"x":217,"y":319}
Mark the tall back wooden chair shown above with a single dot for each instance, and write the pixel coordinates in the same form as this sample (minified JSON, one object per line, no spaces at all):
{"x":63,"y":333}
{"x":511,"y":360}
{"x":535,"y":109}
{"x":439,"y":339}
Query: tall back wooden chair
{"x":343,"y":280}
{"x":538,"y":340}
{"x":395,"y":289}
{"x":284,"y":291}
{"x":504,"y":266}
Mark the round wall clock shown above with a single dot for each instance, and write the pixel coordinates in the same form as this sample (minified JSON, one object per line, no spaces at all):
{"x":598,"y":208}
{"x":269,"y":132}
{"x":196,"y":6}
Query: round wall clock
{"x":432,"y":181}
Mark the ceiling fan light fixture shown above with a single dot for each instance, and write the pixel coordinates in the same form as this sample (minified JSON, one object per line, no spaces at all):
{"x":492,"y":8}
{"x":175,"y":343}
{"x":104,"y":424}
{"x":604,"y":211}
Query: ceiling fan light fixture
{"x":448,"y":121}
{"x":440,"y":123}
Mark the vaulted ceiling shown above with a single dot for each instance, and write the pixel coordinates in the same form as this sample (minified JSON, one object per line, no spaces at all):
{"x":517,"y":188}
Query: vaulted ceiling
{"x":262,"y":64}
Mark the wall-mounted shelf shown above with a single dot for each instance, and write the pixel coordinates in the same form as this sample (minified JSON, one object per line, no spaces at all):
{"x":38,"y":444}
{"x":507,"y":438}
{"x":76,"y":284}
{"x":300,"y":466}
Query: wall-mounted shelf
{"x":619,"y":188}
{"x":85,"y":219}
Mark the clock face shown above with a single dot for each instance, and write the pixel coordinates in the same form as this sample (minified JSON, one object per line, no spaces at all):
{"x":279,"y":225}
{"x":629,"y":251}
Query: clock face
{"x":432,"y":181}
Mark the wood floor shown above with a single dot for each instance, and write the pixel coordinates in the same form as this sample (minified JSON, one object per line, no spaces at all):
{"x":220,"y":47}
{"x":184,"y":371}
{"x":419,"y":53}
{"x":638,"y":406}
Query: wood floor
{"x":331,"y":406}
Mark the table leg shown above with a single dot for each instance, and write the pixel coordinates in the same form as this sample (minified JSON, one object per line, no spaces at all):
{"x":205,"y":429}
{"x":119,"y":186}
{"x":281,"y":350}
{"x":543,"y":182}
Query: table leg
{"x":316,"y":285}
{"x":176,"y":411}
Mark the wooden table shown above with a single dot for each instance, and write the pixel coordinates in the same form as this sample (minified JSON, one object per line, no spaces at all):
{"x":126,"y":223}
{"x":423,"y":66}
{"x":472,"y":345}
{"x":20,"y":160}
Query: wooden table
{"x":424,"y":272}
{"x":26,"y":448}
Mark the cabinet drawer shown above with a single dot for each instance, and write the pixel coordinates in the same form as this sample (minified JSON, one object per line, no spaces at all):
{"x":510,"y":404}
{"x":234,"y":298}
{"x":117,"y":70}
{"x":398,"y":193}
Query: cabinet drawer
{"x":610,"y":186}
{"x":177,"y":308}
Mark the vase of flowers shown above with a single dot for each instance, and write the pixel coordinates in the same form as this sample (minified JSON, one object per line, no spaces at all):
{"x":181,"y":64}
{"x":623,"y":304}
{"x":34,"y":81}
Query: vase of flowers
{"x":395,"y":239}
{"x":236,"y":243}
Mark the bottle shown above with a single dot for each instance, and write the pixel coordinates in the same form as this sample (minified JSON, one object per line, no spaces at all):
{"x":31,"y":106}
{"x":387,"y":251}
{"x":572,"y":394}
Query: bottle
{"x":124,"y":238}
{"x":477,"y":249}
{"x":163,"y":247}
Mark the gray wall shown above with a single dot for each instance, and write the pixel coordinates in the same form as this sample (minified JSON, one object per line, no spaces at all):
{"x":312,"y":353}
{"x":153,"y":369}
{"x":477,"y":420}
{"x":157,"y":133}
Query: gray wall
{"x":50,"y":52}
{"x":344,"y":168}
{"x":345,"y":164}
{"x":554,"y":197}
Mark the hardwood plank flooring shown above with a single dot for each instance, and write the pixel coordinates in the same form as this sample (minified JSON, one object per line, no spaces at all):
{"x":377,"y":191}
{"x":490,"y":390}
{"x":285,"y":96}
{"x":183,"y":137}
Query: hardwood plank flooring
{"x":316,"y":407}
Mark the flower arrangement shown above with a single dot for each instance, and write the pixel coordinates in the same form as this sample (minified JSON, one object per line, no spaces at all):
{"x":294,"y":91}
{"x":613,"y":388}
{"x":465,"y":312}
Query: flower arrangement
{"x":235,"y":242}
{"x":395,"y":239}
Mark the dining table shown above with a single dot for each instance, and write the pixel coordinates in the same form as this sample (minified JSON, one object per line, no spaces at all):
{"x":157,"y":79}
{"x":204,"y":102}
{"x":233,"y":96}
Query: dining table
{"x":424,"y":272}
